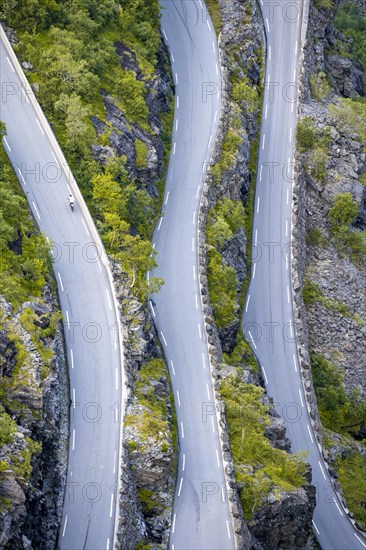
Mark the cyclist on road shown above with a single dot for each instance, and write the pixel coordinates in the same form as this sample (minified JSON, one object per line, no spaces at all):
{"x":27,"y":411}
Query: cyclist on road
{"x":71,"y":201}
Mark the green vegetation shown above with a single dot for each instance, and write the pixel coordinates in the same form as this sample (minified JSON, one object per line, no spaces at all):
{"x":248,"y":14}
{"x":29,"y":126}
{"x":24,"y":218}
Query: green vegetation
{"x":350,"y":115}
{"x":312,"y":293}
{"x":141,"y":153}
{"x":323,"y":4}
{"x":346,"y":240}
{"x":352,"y":477}
{"x":305,"y":134}
{"x":214,"y":10}
{"x":72,"y":51}
{"x":223,"y":222}
{"x":350,"y":21}
{"x":8,"y":427}
{"x":338,"y":411}
{"x":315,"y":237}
{"x":319,"y":86}
{"x":152,"y":421}
{"x":259,"y":467}
{"x":25,"y":263}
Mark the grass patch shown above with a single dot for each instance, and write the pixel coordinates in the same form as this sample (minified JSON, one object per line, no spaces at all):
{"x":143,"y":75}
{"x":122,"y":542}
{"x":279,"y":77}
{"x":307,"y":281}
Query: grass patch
{"x":214,"y":10}
{"x":259,"y":468}
{"x":152,"y":420}
{"x":352,"y":477}
{"x":338,"y":410}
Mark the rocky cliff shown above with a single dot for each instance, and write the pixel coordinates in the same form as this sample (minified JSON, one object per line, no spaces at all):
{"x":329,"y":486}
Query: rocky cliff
{"x":330,"y":246}
{"x":34,"y":422}
{"x":275,"y":518}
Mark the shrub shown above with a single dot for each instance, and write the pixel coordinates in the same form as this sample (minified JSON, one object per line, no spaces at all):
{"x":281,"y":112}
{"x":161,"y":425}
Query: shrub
{"x":141,"y":153}
{"x":319,"y":86}
{"x":315,"y":237}
{"x":343,"y":212}
{"x":351,"y":475}
{"x":259,"y":467}
{"x":305,"y":134}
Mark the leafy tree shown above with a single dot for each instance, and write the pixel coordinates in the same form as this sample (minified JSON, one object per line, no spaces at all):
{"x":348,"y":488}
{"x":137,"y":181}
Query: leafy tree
{"x":79,"y":131}
{"x":131,"y":93}
{"x":140,"y":209}
{"x":107,"y":195}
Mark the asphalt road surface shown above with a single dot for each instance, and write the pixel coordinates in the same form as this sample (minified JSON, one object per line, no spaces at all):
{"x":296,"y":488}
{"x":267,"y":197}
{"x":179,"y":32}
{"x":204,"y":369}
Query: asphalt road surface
{"x":201,"y":516}
{"x":90,"y":322}
{"x":268,"y":316}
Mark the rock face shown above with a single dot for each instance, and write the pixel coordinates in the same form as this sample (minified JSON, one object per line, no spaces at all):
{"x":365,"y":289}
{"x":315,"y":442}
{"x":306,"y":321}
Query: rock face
{"x":284,"y":522}
{"x":37,"y":400}
{"x":337,"y":336}
{"x":148,"y":478}
{"x":122,"y":135}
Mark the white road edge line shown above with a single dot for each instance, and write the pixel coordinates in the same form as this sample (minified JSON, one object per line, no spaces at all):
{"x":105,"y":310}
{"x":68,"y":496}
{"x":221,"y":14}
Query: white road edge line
{"x":72,"y":358}
{"x":247,"y":304}
{"x":217,"y":458}
{"x":6,"y":143}
{"x":65,"y":524}
{"x":108,"y":298}
{"x":208,"y":392}
{"x":85,"y":227}
{"x":321,"y":469}
{"x":263,"y":141}
{"x":301,"y":400}
{"x":36,"y":209}
{"x":295,"y":362}
{"x":359,"y":540}
{"x":167,"y":197}
{"x":11,"y":66}
{"x":316,"y":529}
{"x":311,"y":437}
{"x":111,"y":507}
{"x":173,"y":526}
{"x":228,"y":529}
{"x":265,"y":375}
{"x":152,"y":308}
{"x":336,"y":503}
{"x":184,"y":462}
{"x":165,"y":36}
{"x":203,"y":360}
{"x":213,"y":424}
{"x":267,"y":24}
{"x":252,"y":339}
{"x":163,"y":337}
{"x":254,"y":270}
{"x":59,"y":278}
{"x":39,"y":126}
{"x":182,"y":429}
{"x":180,"y":486}
{"x":258,"y":202}
{"x":73,"y":398}
{"x":178,"y":398}
{"x":172,"y":365}
{"x":73,"y":439}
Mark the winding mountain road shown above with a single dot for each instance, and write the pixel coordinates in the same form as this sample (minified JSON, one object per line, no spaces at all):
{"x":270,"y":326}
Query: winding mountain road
{"x":201,"y":516}
{"x":268,"y":319}
{"x":91,"y":325}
